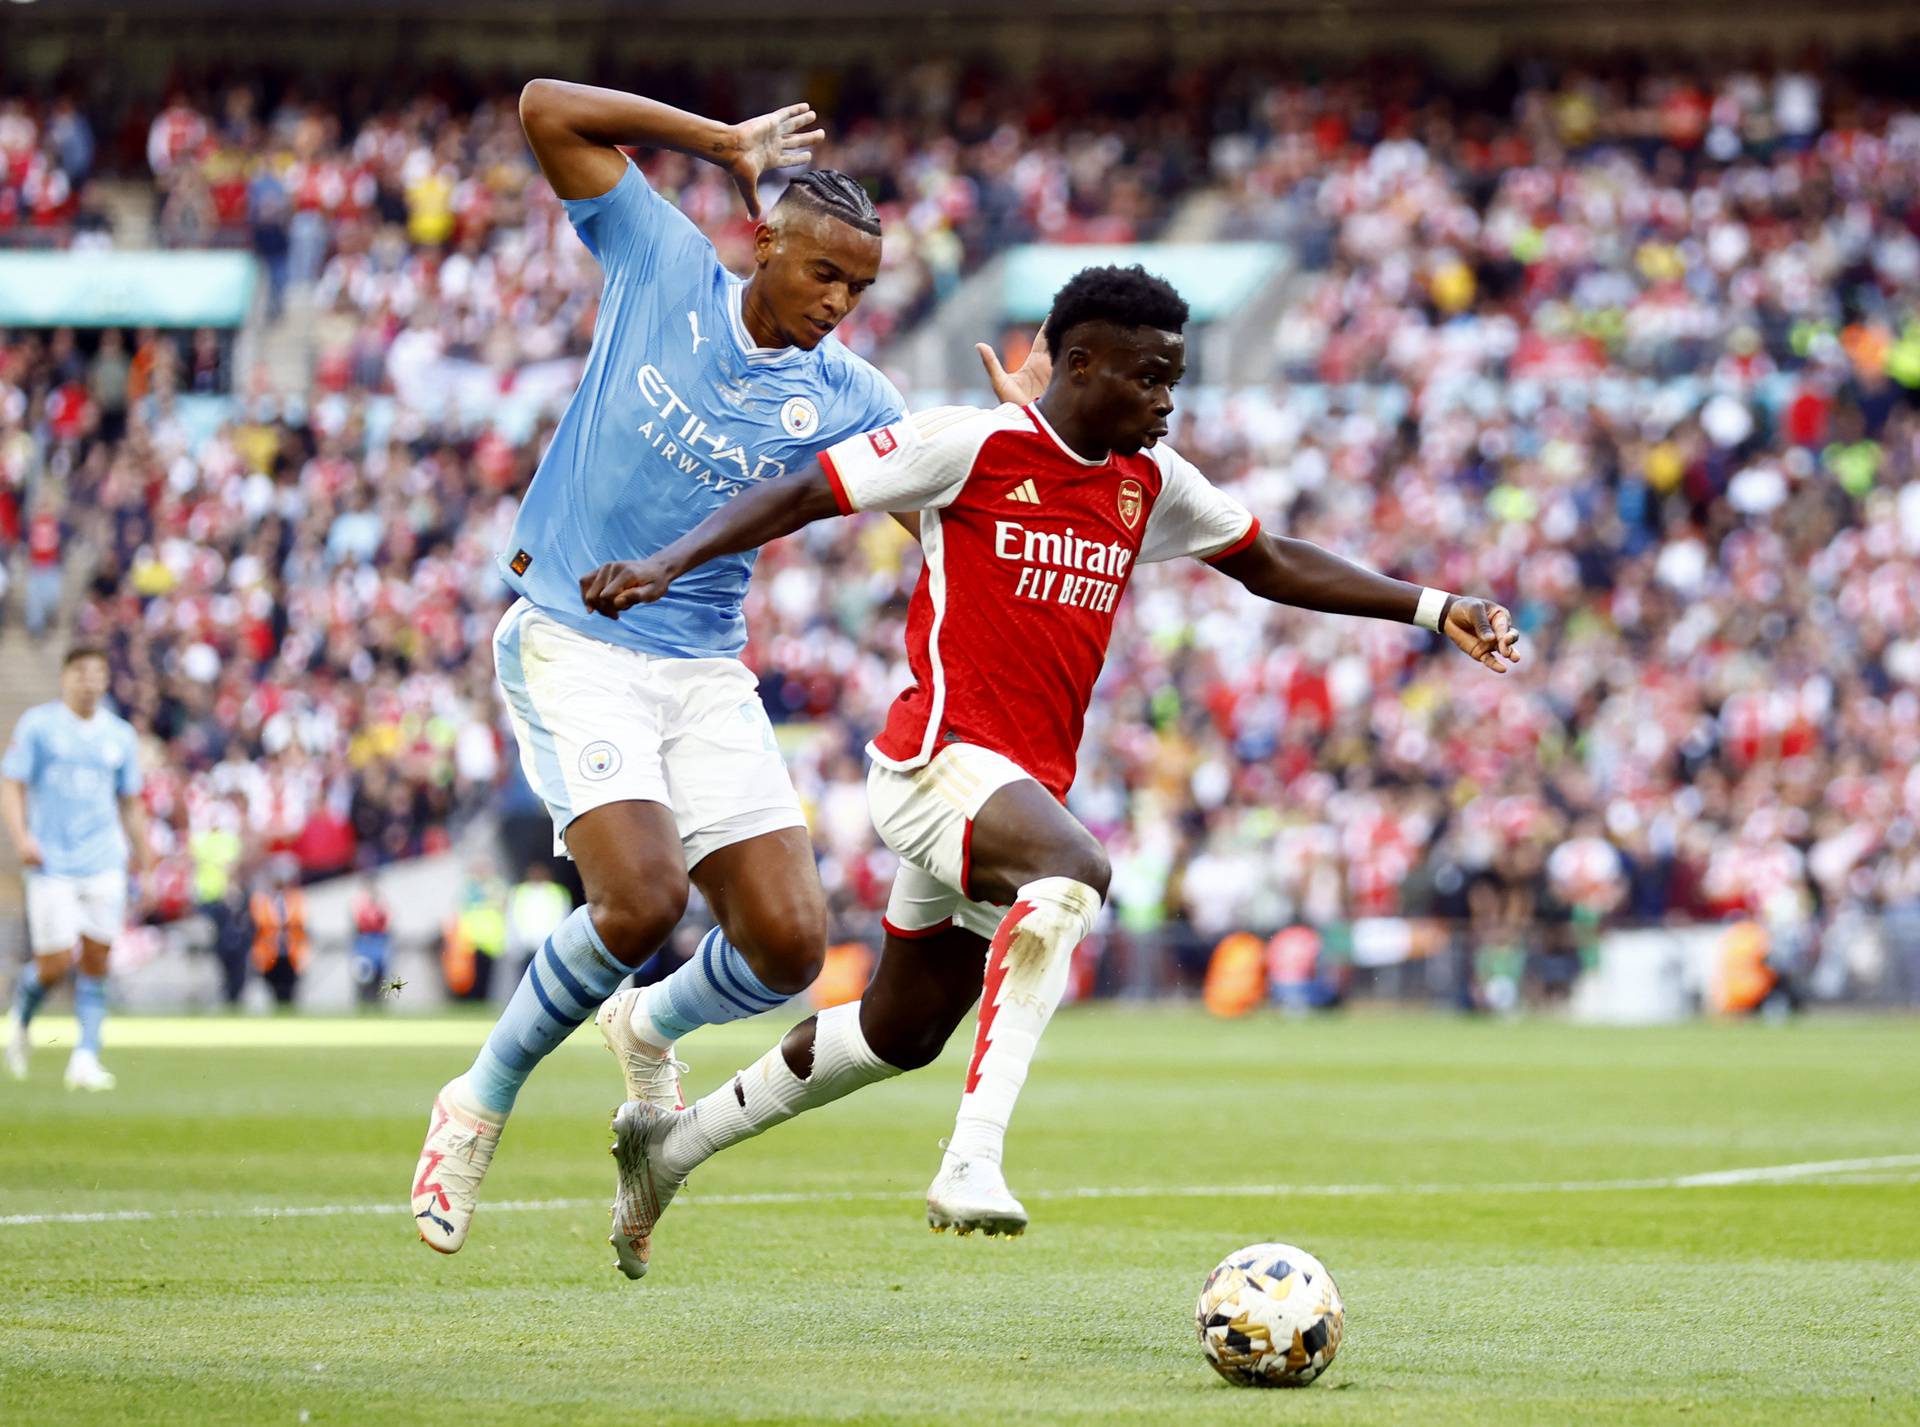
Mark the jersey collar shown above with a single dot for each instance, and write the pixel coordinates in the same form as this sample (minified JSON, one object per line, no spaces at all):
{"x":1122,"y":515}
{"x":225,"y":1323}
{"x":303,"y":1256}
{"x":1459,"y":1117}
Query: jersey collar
{"x":1040,"y":424}
{"x":757,"y":355}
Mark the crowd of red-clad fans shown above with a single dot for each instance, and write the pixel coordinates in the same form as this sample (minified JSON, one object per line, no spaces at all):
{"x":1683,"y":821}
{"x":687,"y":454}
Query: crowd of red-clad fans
{"x":1634,"y":349}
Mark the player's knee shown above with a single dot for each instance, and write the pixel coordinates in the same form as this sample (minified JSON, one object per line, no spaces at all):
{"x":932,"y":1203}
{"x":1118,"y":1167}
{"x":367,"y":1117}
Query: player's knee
{"x":634,"y":921}
{"x":786,"y":957}
{"x":1087,"y":864}
{"x":906,"y":1047}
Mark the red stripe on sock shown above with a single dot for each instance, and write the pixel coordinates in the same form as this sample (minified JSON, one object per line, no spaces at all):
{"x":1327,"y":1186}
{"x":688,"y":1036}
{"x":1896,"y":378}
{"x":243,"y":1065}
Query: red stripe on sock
{"x":990,"y":991}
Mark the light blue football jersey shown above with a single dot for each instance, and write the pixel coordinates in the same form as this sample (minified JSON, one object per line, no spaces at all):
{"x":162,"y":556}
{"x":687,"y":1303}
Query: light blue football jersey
{"x":76,"y":771}
{"x":677,"y":412}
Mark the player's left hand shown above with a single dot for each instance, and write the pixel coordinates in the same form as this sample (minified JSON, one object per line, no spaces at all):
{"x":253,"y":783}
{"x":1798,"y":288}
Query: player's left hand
{"x":622,"y":584}
{"x":777,"y":140}
{"x":1484,"y":631}
{"x":1026,"y":384}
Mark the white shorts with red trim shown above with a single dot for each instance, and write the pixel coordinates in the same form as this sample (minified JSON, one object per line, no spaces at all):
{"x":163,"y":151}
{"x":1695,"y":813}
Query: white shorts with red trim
{"x":925,"y":816}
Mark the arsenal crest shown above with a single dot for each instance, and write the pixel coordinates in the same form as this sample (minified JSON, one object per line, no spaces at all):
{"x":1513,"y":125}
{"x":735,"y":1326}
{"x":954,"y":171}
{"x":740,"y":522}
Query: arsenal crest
{"x":1129,"y":498}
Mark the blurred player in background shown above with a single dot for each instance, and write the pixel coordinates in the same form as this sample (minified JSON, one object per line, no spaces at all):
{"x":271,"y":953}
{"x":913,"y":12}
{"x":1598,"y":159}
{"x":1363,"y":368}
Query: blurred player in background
{"x":70,"y":801}
{"x":645,"y":735}
{"x":1032,"y":519}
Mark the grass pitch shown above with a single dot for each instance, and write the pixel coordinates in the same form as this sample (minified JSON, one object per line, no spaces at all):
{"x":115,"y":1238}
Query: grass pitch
{"x":1525,"y":1220}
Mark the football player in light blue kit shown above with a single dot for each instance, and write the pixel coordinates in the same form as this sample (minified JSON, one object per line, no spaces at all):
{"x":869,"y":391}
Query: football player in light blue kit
{"x":644,"y":734}
{"x":70,"y":801}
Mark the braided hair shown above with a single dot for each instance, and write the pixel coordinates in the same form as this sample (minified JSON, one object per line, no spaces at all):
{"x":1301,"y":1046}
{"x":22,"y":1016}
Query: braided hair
{"x":831,"y":192}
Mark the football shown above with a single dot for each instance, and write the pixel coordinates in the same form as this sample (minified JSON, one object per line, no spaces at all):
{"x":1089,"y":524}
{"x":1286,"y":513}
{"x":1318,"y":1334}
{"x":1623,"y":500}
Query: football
{"x":1270,"y":1316}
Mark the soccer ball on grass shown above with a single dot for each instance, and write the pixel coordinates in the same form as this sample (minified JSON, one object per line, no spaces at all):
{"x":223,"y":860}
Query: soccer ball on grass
{"x":1270,"y":1316}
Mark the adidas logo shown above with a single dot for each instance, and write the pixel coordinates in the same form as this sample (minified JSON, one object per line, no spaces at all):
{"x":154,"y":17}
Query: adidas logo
{"x":1024,"y":493}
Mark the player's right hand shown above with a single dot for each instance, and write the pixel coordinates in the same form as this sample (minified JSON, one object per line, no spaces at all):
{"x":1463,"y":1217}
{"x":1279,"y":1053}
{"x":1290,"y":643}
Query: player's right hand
{"x":622,"y":584}
{"x":30,"y":854}
{"x":1022,"y":386}
{"x":1483,"y":630}
{"x":777,"y":140}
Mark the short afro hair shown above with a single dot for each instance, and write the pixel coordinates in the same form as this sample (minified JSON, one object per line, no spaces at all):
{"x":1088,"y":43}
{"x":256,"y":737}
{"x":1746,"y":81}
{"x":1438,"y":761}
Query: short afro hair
{"x":831,"y":192}
{"x":1126,"y":297}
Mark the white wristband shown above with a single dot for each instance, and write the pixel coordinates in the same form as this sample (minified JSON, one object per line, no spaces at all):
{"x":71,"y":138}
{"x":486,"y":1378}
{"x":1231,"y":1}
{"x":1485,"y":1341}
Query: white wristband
{"x":1427,"y":614}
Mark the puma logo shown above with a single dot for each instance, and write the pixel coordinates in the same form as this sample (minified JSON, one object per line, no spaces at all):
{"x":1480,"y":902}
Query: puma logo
{"x":693,"y":321}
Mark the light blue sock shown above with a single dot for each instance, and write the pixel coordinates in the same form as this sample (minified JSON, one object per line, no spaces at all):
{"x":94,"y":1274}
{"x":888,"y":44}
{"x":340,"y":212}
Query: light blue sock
{"x":568,"y":978}
{"x":713,"y":986}
{"x":90,"y":1008}
{"x":28,"y":993}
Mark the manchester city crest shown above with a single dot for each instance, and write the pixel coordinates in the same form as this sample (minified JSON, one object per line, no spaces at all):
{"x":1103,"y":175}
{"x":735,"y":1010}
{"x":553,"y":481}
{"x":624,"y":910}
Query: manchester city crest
{"x":800,"y":418}
{"x":599,"y":760}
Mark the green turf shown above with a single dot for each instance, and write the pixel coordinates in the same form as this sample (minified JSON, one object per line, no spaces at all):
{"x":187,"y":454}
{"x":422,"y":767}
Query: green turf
{"x":1512,"y":1301}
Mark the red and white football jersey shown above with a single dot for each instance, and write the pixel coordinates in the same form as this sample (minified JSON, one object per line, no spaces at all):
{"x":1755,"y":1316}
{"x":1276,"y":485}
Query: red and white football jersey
{"x":1028,"y":549}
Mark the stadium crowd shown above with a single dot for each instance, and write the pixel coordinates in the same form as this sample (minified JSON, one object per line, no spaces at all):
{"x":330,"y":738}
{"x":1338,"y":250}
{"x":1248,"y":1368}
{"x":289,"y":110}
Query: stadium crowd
{"x":46,"y":157}
{"x":428,"y":217}
{"x":1635,"y":350}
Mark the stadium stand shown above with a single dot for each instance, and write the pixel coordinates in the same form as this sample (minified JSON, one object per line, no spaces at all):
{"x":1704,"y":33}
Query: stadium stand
{"x":1634,"y":346}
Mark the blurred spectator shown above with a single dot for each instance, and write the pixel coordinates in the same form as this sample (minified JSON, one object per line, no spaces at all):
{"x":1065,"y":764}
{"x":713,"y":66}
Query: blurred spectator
{"x":535,"y":907}
{"x":372,"y":941}
{"x":108,"y":381}
{"x":45,"y":540}
{"x":216,"y":850}
{"x":231,"y":918}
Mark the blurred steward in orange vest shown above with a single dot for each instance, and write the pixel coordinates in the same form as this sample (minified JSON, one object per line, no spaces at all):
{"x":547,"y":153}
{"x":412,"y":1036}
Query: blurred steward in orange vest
{"x":279,"y":911}
{"x":1236,"y":975}
{"x":475,"y":935}
{"x":843,"y":975}
{"x":1743,"y":975}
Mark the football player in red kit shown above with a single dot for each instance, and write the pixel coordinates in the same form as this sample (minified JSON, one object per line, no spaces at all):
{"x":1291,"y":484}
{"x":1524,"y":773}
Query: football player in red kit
{"x":1032,"y":519}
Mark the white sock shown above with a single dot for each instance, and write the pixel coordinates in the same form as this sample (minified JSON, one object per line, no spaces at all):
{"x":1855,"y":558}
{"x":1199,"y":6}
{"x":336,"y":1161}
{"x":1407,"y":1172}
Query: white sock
{"x":767,"y":1093}
{"x":1027,"y":967}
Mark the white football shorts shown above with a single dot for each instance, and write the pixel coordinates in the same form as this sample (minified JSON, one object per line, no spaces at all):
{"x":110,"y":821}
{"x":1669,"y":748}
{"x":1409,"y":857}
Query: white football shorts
{"x":600,"y":723}
{"x":926,"y":817}
{"x":61,"y":910}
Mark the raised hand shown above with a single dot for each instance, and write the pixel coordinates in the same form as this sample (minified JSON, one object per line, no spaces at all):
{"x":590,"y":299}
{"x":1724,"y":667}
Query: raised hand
{"x":622,"y":584}
{"x":1024,"y":385}
{"x":1483,"y":630}
{"x":777,"y":140}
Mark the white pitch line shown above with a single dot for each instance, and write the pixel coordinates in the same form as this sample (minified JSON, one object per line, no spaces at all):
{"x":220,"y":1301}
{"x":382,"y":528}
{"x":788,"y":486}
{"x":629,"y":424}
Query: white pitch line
{"x":1797,"y":1171}
{"x":1844,"y":1171}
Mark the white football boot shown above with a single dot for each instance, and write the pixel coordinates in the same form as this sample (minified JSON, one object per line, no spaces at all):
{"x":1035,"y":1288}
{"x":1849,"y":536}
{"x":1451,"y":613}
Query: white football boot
{"x":453,"y":1161}
{"x":650,"y":1075}
{"x":644,"y":1188}
{"x":969,"y":1194}
{"x":17,"y":1046}
{"x":85,"y":1072}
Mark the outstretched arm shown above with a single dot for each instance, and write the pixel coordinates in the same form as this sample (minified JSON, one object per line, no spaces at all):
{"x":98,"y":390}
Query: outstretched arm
{"x":919,"y":463}
{"x":748,"y":521}
{"x":575,"y":130}
{"x":1300,"y":573}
